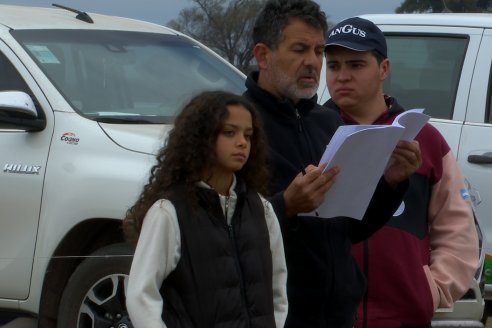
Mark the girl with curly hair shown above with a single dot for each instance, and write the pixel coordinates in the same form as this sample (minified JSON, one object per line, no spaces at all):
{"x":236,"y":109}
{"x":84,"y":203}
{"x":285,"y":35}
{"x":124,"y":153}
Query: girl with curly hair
{"x":209,"y":249}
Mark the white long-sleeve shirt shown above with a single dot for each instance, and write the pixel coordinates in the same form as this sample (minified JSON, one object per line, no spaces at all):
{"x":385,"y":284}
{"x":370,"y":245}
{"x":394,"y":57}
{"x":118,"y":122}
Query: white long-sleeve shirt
{"x":158,"y":252}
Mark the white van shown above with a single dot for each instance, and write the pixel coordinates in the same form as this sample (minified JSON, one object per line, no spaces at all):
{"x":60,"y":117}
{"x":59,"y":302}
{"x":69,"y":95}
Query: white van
{"x":442,"y":62}
{"x":85,"y":101}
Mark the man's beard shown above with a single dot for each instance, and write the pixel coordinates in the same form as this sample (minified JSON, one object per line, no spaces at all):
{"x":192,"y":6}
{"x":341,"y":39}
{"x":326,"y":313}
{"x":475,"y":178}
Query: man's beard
{"x":289,"y":87}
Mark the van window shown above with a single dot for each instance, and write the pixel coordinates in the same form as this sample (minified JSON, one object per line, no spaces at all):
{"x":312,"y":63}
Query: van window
{"x":425,"y":71}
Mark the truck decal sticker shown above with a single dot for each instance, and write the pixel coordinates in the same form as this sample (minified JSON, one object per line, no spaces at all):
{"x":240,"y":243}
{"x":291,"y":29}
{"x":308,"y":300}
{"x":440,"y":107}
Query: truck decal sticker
{"x":70,"y":138}
{"x":21,"y":168}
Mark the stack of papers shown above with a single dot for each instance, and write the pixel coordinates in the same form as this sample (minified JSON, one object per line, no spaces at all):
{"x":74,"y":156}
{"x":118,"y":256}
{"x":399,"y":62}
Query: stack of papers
{"x":362,"y":153}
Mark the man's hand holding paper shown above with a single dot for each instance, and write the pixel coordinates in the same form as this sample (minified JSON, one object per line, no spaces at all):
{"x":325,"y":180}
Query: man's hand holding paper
{"x":307,"y":191}
{"x":404,"y":161}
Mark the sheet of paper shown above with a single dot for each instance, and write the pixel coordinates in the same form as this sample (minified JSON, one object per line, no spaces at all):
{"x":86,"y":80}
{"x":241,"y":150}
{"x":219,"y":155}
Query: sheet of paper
{"x":342,"y":133}
{"x":413,"y":120}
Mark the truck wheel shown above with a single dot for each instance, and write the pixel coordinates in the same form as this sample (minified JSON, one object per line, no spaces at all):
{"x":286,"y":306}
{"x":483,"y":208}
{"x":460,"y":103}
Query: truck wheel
{"x":95,"y":293}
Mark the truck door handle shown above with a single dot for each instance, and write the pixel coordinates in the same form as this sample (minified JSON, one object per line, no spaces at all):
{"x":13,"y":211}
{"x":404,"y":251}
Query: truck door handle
{"x":485,"y":158}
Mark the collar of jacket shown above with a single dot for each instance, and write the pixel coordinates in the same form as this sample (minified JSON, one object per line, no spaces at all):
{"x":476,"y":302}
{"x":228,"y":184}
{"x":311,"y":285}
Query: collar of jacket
{"x":269,"y":102}
{"x":209,"y":198}
{"x":394,"y":109}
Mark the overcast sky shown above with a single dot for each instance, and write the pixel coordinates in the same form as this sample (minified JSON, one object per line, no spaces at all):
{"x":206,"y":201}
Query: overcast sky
{"x":162,"y":11}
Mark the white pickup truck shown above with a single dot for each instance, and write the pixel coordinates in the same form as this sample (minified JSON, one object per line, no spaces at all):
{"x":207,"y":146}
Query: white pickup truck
{"x":442,"y":62}
{"x":85,"y":101}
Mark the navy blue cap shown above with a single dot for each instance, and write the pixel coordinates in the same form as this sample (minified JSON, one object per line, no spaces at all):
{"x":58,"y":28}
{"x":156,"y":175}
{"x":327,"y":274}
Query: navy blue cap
{"x":358,"y":34}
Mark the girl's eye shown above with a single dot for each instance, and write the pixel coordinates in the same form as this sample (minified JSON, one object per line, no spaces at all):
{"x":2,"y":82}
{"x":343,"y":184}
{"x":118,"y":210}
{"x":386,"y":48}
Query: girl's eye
{"x":248,"y":136}
{"x":228,"y":133}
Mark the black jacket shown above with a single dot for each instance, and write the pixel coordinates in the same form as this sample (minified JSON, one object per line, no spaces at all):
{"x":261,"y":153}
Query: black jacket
{"x":224,"y":276}
{"x":324,"y":284}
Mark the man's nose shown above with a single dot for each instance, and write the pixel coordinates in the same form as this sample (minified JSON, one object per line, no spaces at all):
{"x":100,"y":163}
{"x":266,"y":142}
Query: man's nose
{"x":343,"y":73}
{"x":312,"y":58}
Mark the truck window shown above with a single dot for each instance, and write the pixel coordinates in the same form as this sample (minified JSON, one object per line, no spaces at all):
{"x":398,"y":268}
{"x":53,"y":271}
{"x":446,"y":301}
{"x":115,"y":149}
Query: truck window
{"x":425,"y":71}
{"x":10,"y":79}
{"x":126,"y":75}
{"x":488,"y":112}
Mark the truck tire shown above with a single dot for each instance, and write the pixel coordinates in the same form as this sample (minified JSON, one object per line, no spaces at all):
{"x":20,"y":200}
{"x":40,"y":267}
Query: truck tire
{"x":94,"y":296}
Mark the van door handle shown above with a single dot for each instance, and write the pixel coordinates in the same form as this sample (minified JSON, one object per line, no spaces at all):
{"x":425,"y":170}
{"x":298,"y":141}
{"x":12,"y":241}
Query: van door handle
{"x":485,"y":158}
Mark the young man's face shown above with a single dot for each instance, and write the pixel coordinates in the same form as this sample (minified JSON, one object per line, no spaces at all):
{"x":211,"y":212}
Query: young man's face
{"x":353,"y":77}
{"x":293,"y":69}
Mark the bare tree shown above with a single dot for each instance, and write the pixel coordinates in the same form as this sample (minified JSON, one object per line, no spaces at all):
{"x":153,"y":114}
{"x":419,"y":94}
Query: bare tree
{"x":223,"y":25}
{"x":438,"y":6}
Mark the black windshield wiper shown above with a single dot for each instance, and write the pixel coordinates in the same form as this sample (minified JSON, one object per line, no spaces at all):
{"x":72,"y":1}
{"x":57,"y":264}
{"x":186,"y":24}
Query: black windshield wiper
{"x":133,"y":119}
{"x":124,"y":120}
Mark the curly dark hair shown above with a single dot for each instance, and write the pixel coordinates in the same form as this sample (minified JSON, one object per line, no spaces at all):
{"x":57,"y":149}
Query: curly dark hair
{"x":190,"y":147}
{"x":276,"y":15}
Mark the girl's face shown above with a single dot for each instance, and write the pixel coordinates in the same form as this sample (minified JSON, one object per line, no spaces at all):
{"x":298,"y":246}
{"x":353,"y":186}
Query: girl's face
{"x":234,"y":140}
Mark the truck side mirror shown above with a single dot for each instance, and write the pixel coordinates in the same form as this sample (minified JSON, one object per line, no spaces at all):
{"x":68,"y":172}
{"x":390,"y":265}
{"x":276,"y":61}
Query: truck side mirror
{"x":17,"y":111}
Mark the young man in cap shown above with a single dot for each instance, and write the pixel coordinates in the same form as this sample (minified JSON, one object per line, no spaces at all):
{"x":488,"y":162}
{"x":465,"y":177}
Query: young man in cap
{"x":324,"y":283}
{"x":426,"y":255}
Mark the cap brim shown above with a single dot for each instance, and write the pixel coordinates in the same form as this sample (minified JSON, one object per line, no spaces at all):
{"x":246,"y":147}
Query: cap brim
{"x":349,"y":45}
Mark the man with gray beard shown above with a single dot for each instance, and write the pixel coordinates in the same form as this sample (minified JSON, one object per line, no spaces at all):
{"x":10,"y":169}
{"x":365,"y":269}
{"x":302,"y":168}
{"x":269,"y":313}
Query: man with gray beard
{"x":324,"y":284}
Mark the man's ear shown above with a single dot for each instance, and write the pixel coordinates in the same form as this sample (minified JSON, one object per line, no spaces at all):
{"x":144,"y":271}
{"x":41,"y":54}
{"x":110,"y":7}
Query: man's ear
{"x":385,"y":69}
{"x":261,"y":52}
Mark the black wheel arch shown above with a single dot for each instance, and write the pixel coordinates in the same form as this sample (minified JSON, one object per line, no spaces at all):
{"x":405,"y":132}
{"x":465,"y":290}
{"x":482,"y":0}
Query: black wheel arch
{"x":88,"y":237}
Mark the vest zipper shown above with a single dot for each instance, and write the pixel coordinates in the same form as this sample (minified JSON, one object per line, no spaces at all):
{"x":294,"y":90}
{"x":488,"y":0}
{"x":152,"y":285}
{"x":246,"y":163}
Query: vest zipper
{"x":242,"y":287}
{"x":226,"y":209}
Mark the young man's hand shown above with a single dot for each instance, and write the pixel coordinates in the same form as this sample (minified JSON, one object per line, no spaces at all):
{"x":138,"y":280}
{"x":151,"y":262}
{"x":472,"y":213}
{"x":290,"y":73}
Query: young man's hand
{"x":404,"y":161}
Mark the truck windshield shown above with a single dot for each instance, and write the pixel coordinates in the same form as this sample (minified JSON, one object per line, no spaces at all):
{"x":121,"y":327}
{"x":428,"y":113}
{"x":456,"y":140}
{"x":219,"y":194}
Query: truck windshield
{"x":121,"y":76}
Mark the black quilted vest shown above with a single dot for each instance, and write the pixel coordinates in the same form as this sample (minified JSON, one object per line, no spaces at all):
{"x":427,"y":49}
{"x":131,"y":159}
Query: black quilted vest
{"x":224,"y":276}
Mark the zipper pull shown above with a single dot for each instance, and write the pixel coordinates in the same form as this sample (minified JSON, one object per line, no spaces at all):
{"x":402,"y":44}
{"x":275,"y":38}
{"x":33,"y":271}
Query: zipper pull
{"x":230,"y":231}
{"x":226,"y":208}
{"x":299,"y":122}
